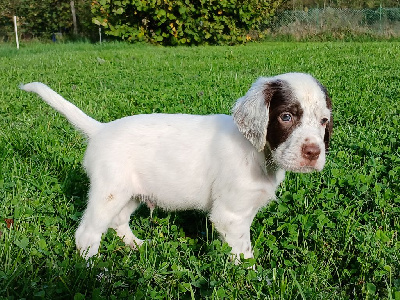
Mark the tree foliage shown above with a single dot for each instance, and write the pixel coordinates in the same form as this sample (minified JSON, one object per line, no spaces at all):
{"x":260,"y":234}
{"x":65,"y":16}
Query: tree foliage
{"x":42,"y":18}
{"x":171,"y":22}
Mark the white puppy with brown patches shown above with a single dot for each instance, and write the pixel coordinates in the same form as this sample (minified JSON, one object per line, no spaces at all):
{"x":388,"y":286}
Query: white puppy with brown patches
{"x":228,"y":166}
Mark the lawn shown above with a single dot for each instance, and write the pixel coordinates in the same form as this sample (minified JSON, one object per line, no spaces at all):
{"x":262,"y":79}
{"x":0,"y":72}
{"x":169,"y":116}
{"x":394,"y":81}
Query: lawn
{"x":332,"y":235}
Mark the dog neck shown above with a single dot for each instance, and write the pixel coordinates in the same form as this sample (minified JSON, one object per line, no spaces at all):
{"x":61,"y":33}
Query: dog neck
{"x":270,"y":166}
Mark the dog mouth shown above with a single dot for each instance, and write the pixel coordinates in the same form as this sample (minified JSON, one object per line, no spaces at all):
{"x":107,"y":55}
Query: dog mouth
{"x":300,"y":169}
{"x":301,"y":166}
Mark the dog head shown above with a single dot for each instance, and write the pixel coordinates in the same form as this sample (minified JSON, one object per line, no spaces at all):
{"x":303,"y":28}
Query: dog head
{"x":289,"y":116}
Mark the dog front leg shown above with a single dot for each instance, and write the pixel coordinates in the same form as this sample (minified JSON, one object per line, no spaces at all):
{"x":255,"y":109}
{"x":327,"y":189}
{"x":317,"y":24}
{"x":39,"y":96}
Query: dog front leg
{"x":235,"y":232}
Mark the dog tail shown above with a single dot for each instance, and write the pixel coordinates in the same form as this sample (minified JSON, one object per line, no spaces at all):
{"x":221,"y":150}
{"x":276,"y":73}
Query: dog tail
{"x":78,"y":118}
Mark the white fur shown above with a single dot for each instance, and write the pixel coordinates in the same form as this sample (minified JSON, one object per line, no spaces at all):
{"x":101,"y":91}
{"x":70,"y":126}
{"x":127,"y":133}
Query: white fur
{"x":180,"y":162}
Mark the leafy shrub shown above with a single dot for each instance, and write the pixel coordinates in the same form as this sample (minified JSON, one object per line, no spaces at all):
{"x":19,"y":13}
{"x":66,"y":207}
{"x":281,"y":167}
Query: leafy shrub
{"x":43,"y":18}
{"x":171,"y":22}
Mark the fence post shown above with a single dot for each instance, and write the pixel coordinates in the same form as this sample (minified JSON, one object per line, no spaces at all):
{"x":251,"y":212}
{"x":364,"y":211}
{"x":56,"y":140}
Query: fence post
{"x":380,"y":18}
{"x":73,"y":12}
{"x":16,"y":31}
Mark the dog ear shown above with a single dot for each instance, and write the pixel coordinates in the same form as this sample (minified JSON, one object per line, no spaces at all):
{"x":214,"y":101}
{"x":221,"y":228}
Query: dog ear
{"x":251,"y":112}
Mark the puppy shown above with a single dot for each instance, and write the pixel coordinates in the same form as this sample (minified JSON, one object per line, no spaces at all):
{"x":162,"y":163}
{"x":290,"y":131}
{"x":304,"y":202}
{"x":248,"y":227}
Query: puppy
{"x":228,"y":166}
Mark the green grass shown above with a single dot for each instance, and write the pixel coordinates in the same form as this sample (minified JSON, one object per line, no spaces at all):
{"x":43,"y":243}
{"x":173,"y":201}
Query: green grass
{"x":332,"y":235}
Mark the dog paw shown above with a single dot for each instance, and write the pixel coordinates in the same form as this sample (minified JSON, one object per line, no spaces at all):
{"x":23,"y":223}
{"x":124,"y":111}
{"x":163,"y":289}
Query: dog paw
{"x":136,"y":243}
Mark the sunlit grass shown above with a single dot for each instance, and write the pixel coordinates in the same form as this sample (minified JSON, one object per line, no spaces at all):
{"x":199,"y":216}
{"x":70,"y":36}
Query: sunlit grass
{"x":333,"y":234}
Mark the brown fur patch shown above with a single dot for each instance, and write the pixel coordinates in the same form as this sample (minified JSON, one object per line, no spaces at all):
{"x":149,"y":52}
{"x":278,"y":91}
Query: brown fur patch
{"x":282,"y":101}
{"x":329,"y":126}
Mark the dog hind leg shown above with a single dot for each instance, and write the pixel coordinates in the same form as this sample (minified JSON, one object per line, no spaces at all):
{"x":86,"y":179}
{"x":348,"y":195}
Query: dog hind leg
{"x":121,"y":224}
{"x":103,"y":207}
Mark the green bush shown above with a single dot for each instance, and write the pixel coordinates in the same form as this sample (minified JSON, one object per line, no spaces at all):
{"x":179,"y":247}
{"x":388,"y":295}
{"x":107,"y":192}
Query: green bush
{"x":40,"y":19}
{"x":171,"y":22}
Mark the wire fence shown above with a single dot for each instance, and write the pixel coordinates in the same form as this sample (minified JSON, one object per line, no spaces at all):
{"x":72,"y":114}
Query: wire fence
{"x":381,"y":22}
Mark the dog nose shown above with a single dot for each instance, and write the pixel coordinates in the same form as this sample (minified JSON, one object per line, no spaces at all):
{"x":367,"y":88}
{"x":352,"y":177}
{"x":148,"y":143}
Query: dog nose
{"x":310,"y":151}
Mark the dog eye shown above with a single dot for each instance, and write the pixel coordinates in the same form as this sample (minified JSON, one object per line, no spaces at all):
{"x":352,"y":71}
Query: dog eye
{"x":286,"y":117}
{"x":324,"y":121}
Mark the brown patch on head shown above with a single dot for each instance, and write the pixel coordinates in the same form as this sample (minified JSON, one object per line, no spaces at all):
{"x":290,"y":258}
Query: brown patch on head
{"x":271,"y":88}
{"x":285,"y":113}
{"x":329,"y":126}
{"x":110,"y":197}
